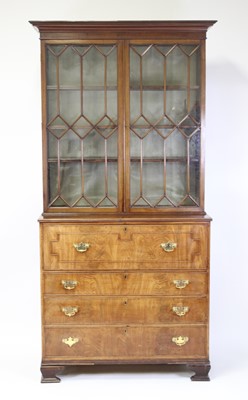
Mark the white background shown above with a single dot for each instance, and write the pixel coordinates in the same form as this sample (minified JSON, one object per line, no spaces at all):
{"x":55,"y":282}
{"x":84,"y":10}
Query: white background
{"x":21,"y":201}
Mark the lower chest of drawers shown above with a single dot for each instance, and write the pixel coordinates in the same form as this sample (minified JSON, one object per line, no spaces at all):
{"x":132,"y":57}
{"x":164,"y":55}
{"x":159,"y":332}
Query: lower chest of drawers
{"x":123,"y":296}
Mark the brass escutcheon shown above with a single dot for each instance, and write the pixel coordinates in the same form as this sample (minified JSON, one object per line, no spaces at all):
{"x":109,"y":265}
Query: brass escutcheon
{"x":180,"y":340}
{"x":81,"y":247}
{"x":70,"y":311}
{"x":70,"y":341}
{"x":69,"y":285}
{"x":180,"y":310}
{"x":168,"y":246}
{"x":181,"y":283}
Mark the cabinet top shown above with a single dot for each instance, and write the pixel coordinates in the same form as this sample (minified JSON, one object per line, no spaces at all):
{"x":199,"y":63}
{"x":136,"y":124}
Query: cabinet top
{"x":124,"y":29}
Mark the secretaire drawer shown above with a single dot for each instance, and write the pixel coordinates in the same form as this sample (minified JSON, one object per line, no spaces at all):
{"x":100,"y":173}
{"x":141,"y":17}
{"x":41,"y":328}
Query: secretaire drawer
{"x":126,"y":283}
{"x":127,"y":343}
{"x":124,"y":310}
{"x":82,"y":246}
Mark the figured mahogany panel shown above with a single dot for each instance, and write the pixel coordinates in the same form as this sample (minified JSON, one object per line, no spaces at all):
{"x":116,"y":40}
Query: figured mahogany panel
{"x":125,"y":342}
{"x":127,"y":283}
{"x":123,"y":310}
{"x":125,"y":247}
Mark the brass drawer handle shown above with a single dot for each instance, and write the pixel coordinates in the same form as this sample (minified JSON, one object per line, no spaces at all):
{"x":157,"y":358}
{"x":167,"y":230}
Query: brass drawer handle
{"x":180,"y":340}
{"x":70,"y":311}
{"x":69,"y":285}
{"x":81,"y":247}
{"x":168,"y":246}
{"x":70,"y":341}
{"x":181,"y":283}
{"x":180,"y":311}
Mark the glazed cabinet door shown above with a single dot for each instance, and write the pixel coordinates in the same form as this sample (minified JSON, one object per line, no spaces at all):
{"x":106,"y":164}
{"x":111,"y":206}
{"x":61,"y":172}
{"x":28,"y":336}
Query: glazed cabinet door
{"x":82,"y":84}
{"x":164,"y":138}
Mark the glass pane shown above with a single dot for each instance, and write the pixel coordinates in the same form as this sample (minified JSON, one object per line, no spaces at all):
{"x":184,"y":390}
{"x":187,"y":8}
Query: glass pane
{"x":51,"y":105}
{"x":141,"y":127}
{"x":165,"y":117}
{"x":69,"y":105}
{"x":176,"y":67}
{"x":112,"y":149}
{"x":176,"y":181}
{"x":70,"y":177}
{"x":176,"y":104}
{"x":52,"y":146}
{"x":112,"y":181}
{"x":165,"y":49}
{"x":194,"y":145}
{"x":134,"y":105}
{"x":134,"y":69}
{"x":165,"y":126}
{"x":82,"y":127}
{"x":111,"y":67}
{"x":93,"y":145}
{"x":51,"y":68}
{"x":52,"y":180}
{"x":135,"y":145}
{"x":194,"y":149}
{"x":93,"y":105}
{"x":57,"y":49}
{"x":153,"y":105}
{"x":70,"y":146}
{"x":153,"y":68}
{"x":69,"y":68}
{"x":176,"y":145}
{"x":195,"y":110}
{"x":93,"y":68}
{"x":135,"y":181}
{"x":153,"y":146}
{"x":153,"y":181}
{"x":83,"y":123}
{"x":58,"y":127}
{"x":195,"y":180}
{"x":111,"y":106}
{"x":94,"y":181}
{"x":195,"y":68}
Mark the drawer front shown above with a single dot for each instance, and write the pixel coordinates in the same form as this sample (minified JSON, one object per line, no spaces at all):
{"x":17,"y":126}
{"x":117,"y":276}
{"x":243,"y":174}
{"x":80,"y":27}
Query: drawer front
{"x":124,"y":247}
{"x":124,"y":283}
{"x":126,"y":343}
{"x":124,"y":310}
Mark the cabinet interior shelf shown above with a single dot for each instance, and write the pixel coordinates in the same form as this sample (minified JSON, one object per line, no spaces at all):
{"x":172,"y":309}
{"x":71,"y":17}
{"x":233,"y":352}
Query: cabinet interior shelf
{"x":132,"y":87}
{"x":132,"y":159}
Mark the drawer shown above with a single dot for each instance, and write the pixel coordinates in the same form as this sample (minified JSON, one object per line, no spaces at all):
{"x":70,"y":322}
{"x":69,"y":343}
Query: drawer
{"x":124,"y":247}
{"x":124,"y":283}
{"x":124,"y":310}
{"x":126,"y":343}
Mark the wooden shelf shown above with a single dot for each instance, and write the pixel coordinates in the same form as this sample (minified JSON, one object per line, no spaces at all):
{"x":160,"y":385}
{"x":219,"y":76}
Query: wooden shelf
{"x":86,"y":160}
{"x":161,"y":159}
{"x":132,"y":159}
{"x":114,"y":87}
{"x":161,"y":87}
{"x":84,"y":88}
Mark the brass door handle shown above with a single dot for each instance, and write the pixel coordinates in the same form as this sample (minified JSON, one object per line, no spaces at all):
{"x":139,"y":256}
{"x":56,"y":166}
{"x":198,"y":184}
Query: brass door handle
{"x":180,"y":310}
{"x":70,"y":341}
{"x":180,"y":340}
{"x":181,"y":283}
{"x":69,"y":285}
{"x":81,"y":247}
{"x":168,"y":246}
{"x":70,"y":311}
